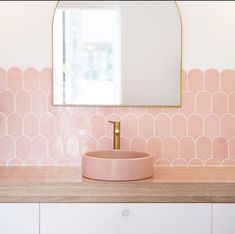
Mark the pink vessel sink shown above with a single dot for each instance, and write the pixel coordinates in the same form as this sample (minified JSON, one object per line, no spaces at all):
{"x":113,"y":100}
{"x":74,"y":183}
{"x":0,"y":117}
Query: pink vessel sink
{"x":117,"y":165}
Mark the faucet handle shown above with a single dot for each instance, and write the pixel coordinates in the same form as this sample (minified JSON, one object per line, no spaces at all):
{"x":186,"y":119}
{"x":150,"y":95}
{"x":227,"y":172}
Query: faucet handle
{"x":114,"y":122}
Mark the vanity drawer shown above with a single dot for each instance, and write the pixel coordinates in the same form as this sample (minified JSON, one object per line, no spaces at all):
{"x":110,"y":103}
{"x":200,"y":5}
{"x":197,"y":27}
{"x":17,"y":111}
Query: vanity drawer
{"x":122,"y":218}
{"x":19,"y":218}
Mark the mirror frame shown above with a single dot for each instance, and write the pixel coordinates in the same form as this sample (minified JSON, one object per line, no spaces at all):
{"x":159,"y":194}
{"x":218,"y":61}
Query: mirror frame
{"x":90,"y":105}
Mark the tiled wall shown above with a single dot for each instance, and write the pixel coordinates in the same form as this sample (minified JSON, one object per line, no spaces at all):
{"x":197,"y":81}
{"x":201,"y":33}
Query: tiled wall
{"x":32,"y":132}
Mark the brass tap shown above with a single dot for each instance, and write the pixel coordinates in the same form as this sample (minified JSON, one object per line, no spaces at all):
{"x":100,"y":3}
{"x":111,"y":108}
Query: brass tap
{"x":116,"y":134}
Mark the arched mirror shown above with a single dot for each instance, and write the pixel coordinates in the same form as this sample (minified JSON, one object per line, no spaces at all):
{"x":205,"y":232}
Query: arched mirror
{"x":117,"y":53}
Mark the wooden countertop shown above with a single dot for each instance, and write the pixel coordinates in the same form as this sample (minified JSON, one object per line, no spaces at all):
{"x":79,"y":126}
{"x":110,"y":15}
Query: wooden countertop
{"x":66,"y":184}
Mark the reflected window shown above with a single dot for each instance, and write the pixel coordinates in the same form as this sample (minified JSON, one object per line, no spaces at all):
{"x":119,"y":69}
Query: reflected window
{"x":88,"y":45}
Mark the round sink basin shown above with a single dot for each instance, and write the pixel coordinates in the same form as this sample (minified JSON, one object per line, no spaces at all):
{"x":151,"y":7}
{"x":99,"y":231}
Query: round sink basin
{"x":117,"y":165}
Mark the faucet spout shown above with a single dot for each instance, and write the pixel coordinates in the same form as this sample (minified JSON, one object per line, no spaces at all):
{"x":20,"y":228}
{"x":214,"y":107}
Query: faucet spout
{"x":116,"y":134}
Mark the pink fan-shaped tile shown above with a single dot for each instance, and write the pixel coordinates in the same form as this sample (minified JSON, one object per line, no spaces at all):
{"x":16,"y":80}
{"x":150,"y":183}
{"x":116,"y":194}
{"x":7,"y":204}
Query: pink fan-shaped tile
{"x":46,"y":80}
{"x":32,"y":162}
{"x":125,"y":143}
{"x":64,"y":124}
{"x":212,"y":162}
{"x":130,"y":126}
{"x":195,"y":126}
{"x":154,"y":110}
{"x":195,"y":80}
{"x":97,"y":125}
{"x":23,"y":148}
{"x":2,"y":79}
{"x":48,"y":124}
{"x":105,"y":110}
{"x":137,"y":110}
{"x":170,"y":110}
{"x":162,"y":162}
{"x":3,"y":125}
{"x":195,"y":162}
{"x":105,"y":143}
{"x":90,"y":144}
{"x":79,"y":121}
{"x":23,"y":102}
{"x":15,"y":125}
{"x":220,"y":148}
{"x":162,"y":126}
{"x":232,"y":103}
{"x":203,"y":148}
{"x":219,"y":104}
{"x":232,"y":148}
{"x":88,"y":111}
{"x":154,"y":147}
{"x":184,"y":80}
{"x":187,"y":148}
{"x":31,"y":125}
{"x":179,"y":162}
{"x":146,"y":126}
{"x":72,"y":146}
{"x":178,"y":126}
{"x":121,"y":110}
{"x":14,"y":79}
{"x":228,"y":81}
{"x":39,"y":148}
{"x":39,"y":102}
{"x":203,"y":103}
{"x":49,"y":162}
{"x":212,"y":81}
{"x":228,"y":162}
{"x":228,"y":126}
{"x":7,"y":102}
{"x":55,"y":147}
{"x":7,"y":148}
{"x":171,"y":149}
{"x":138,"y":144}
{"x":31,"y":79}
{"x":211,"y":126}
{"x":188,"y":103}
{"x":15,"y":162}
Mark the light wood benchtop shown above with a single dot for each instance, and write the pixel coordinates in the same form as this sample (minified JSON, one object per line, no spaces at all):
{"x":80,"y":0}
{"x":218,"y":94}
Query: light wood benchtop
{"x":66,"y":184}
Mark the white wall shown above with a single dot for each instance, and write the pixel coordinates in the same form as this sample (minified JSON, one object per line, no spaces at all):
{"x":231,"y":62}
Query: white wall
{"x":208,"y":38}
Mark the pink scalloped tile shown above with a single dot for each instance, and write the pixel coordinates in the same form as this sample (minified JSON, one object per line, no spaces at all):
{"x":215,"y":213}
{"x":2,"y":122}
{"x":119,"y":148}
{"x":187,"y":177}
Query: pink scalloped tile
{"x":14,"y":79}
{"x":121,"y":110}
{"x":130,"y":126}
{"x":188,"y":103}
{"x":138,"y":144}
{"x":154,"y":110}
{"x":79,"y":121}
{"x":15,"y":162}
{"x":179,"y":162}
{"x":7,"y":102}
{"x":211,"y":126}
{"x":23,"y":148}
{"x":39,"y":102}
{"x":212,"y":162}
{"x":203,"y":103}
{"x":187,"y":148}
{"x":228,"y":126}
{"x":162,"y":126}
{"x":146,"y":126}
{"x":64,"y":124}
{"x":15,"y":125}
{"x":203,"y":148}
{"x":195,"y":162}
{"x":48,"y":162}
{"x":228,"y":162}
{"x":228,"y":81}
{"x":88,"y":110}
{"x":105,"y":110}
{"x":72,"y":146}
{"x":31,"y":80}
{"x":195,"y":126}
{"x":105,"y":143}
{"x":170,"y":149}
{"x":23,"y":102}
{"x":31,"y":125}
{"x":137,"y":110}
{"x":154,"y":147}
{"x":163,"y":162}
{"x":97,"y":123}
{"x":178,"y":126}
{"x":55,"y":147}
{"x":212,"y":81}
{"x":89,"y":144}
{"x":32,"y":162}
{"x":184,"y":80}
{"x":124,"y":143}
{"x":3,"y":125}
{"x":195,"y":80}
{"x":48,"y":125}
{"x":232,"y":103}
{"x":219,"y":104}
{"x":46,"y":80}
{"x":232,"y":148}
{"x":7,"y":148}
{"x":39,"y":148}
{"x":3,"y":79}
{"x":220,"y":148}
{"x":170,"y":111}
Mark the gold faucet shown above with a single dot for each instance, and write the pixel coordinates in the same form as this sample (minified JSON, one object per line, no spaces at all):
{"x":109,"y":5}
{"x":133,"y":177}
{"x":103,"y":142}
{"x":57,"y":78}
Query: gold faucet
{"x":116,"y":134}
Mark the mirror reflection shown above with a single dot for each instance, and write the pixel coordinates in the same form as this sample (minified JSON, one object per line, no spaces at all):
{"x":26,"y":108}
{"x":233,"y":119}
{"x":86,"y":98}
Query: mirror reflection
{"x":116,"y":53}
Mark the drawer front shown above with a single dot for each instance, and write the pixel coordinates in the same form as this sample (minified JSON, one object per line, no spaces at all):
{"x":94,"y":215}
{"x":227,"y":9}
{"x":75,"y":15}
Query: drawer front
{"x":125,"y":218}
{"x":223,"y":219}
{"x":19,"y":218}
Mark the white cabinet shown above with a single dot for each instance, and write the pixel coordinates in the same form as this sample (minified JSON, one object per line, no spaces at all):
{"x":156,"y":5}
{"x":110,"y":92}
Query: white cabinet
{"x":223,"y":218}
{"x":150,"y":218}
{"x":17,"y":218}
